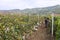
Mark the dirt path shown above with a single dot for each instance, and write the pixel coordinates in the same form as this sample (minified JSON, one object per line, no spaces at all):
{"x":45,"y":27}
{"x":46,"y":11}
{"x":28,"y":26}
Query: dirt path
{"x":41,"y":34}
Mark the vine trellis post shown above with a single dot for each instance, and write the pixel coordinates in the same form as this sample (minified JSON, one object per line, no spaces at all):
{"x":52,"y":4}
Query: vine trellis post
{"x":52,"y":23}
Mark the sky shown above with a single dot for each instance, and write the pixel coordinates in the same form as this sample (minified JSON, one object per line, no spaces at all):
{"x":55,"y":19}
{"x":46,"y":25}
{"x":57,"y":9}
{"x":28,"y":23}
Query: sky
{"x":23,"y":4}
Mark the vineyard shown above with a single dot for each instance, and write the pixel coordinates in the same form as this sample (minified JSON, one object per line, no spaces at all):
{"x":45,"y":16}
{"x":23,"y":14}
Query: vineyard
{"x":14,"y":27}
{"x":57,"y":24}
{"x":19,"y":26}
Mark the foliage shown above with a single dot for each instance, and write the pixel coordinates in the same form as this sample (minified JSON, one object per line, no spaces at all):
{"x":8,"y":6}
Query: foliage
{"x":58,"y":28}
{"x":13,"y":27}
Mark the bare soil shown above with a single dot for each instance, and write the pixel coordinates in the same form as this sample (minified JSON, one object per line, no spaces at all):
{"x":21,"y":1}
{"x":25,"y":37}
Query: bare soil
{"x":41,"y":34}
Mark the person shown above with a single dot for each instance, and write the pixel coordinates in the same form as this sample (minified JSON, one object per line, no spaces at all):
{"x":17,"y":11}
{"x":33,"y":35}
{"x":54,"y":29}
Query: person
{"x":46,"y":22}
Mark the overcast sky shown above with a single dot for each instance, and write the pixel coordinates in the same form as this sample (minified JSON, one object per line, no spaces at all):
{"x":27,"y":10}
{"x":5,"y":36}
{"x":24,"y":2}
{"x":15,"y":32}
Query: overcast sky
{"x":23,"y":4}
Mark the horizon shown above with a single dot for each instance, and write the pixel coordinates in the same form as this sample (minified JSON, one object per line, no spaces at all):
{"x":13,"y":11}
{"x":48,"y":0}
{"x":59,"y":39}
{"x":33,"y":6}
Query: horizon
{"x":25,"y":4}
{"x":29,"y":8}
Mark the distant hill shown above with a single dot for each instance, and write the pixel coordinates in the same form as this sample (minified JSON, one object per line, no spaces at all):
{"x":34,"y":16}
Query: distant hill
{"x":45,"y":10}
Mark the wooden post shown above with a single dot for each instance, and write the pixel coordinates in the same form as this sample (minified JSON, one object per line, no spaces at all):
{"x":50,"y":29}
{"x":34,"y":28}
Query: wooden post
{"x":52,"y":24}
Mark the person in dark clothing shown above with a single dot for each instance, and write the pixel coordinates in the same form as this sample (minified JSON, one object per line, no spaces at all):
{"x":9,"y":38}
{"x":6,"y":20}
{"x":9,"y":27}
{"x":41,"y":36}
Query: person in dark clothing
{"x":46,"y":22}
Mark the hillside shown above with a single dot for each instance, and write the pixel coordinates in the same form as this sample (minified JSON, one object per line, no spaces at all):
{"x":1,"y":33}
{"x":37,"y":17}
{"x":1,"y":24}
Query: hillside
{"x":55,"y":9}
